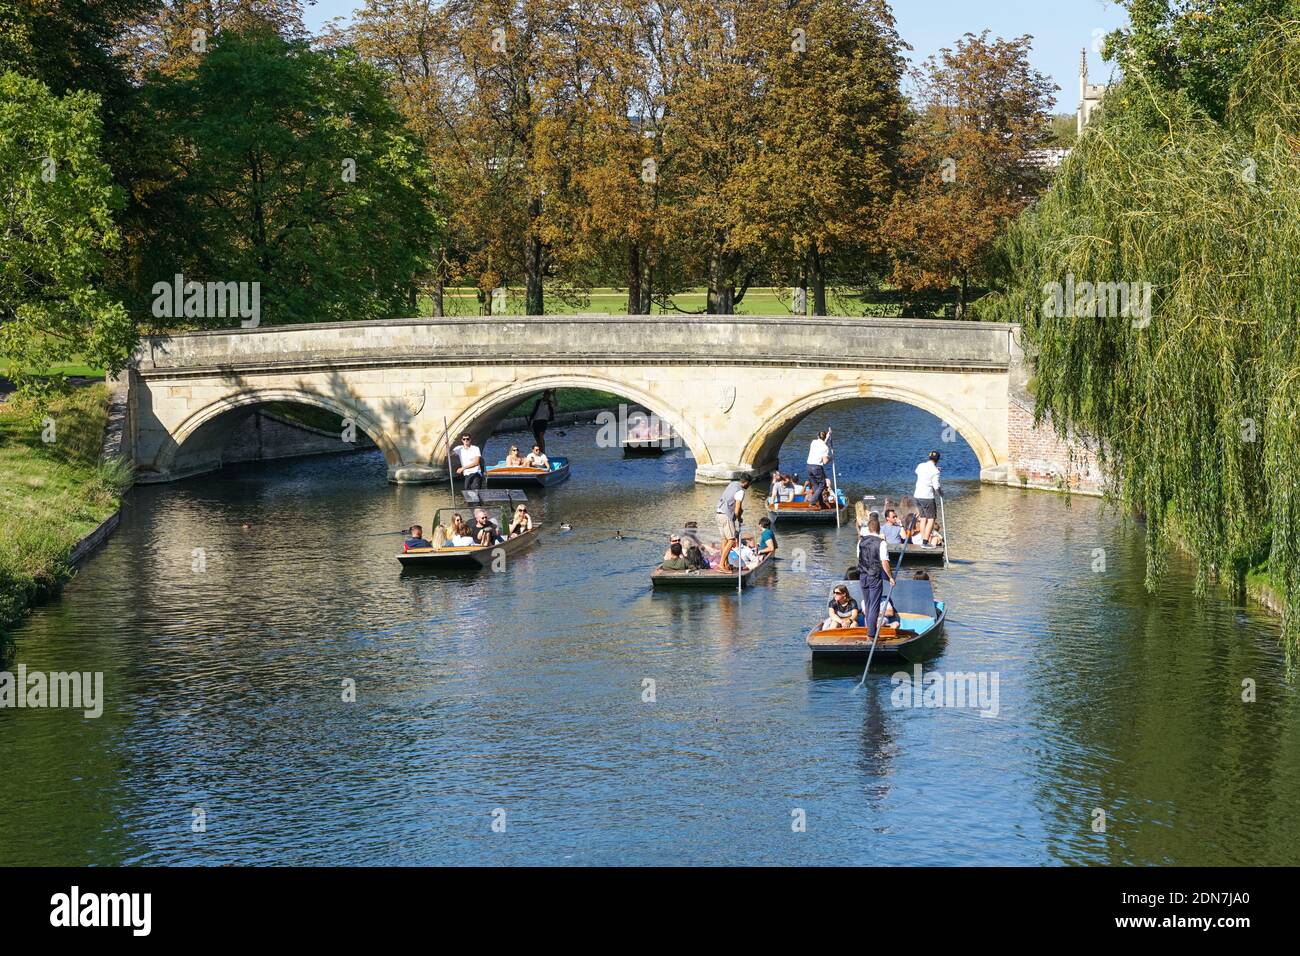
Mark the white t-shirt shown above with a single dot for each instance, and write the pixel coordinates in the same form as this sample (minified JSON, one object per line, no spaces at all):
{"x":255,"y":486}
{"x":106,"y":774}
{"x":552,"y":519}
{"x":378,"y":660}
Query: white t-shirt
{"x":471,"y":453}
{"x":818,"y":451}
{"x":927,"y":479}
{"x":537,"y":461}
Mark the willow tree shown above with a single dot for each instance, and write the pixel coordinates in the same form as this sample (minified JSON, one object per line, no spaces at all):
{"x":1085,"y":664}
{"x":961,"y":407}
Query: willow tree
{"x":1194,"y":404}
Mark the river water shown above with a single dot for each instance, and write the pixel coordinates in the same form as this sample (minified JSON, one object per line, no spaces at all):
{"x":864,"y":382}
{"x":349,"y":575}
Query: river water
{"x":519,"y":697}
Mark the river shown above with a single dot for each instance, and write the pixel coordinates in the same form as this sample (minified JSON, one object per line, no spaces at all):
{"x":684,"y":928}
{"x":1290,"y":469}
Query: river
{"x":519,"y":697}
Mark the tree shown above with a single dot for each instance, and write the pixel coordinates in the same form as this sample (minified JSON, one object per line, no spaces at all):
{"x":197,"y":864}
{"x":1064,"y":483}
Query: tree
{"x":287,"y":167}
{"x":982,"y":109}
{"x":832,"y":122}
{"x":56,"y":229}
{"x":1198,"y":47}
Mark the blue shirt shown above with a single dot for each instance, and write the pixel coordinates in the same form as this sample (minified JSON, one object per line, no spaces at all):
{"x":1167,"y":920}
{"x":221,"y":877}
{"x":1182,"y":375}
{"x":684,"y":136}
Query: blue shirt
{"x":417,"y":543}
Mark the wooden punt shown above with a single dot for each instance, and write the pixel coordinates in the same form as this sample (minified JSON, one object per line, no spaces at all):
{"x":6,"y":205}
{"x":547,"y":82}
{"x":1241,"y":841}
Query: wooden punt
{"x":708,"y":580}
{"x":646,"y":447}
{"x":474,"y":557}
{"x":800,"y":510}
{"x":917,"y":635}
{"x":500,"y":473}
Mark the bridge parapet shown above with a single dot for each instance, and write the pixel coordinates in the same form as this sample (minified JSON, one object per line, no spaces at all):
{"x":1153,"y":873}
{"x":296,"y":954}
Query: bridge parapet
{"x":591,"y":340}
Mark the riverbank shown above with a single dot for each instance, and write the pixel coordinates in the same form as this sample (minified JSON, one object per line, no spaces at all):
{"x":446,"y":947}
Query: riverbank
{"x":55,"y":493}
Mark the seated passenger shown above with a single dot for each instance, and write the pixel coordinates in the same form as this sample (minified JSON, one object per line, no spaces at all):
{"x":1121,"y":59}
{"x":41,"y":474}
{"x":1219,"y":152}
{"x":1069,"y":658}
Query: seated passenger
{"x":843,"y":610}
{"x":828,"y":497}
{"x":695,"y":559}
{"x":782,"y":487}
{"x":521,"y":523}
{"x":514,"y":459}
{"x":640,"y":429}
{"x":746,"y":556}
{"x":460,"y":533}
{"x":416,"y":539}
{"x":485,"y":531}
{"x":892,"y":528}
{"x":766,"y":539}
{"x":672,"y":540}
{"x":537,"y":458}
{"x":440,"y":537}
{"x":675,"y":561}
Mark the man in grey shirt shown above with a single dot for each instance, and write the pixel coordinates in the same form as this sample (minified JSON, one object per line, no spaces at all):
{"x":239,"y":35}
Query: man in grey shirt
{"x":730,"y":507}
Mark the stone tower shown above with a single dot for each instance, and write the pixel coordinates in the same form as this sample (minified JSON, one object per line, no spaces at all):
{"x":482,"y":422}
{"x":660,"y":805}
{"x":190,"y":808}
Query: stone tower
{"x":1090,"y":94}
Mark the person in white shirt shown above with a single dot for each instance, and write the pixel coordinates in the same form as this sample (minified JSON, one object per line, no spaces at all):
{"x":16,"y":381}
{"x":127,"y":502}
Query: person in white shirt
{"x":927,"y":486}
{"x":471,"y":463}
{"x":819,"y":456}
{"x":537,"y":458}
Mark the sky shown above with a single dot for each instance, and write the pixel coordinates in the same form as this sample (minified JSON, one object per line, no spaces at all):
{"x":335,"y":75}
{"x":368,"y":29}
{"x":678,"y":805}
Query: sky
{"x":1060,"y":28}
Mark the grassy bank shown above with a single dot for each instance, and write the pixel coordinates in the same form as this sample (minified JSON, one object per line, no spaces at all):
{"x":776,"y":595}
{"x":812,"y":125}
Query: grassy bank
{"x":52,"y":494}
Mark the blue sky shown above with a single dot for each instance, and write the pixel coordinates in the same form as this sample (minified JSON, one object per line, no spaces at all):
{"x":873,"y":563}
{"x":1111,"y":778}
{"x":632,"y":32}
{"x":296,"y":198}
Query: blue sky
{"x":1060,"y":28}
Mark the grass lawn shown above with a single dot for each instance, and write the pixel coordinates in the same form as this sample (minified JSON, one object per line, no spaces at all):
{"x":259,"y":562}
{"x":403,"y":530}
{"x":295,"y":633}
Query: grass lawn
{"x":757,"y":301}
{"x":51,"y":495}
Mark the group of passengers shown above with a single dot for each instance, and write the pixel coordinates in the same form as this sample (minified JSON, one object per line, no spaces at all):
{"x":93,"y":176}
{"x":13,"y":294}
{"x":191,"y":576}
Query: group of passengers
{"x":687,"y":552}
{"x":905,"y":530}
{"x":786,"y":488}
{"x":482,"y":532}
{"x":844,"y":610}
{"x":534,"y":459}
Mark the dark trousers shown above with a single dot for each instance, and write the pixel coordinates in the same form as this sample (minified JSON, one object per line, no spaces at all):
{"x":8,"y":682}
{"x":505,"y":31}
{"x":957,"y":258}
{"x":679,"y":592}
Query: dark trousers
{"x":474,"y":482}
{"x":817,"y":481}
{"x":873,"y":589}
{"x":539,"y":434}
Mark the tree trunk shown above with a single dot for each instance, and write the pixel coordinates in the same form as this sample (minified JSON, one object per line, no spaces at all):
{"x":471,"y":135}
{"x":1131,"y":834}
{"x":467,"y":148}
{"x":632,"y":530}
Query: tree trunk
{"x":533,"y":263}
{"x":436,"y":291}
{"x":961,"y":297}
{"x":721,"y":290}
{"x":817,"y":279}
{"x":634,"y":279}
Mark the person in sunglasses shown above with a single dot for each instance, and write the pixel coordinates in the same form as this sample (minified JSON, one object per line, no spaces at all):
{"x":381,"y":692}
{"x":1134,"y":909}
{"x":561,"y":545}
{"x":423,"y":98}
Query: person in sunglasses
{"x":514,"y":459}
{"x":471,"y":463}
{"x":521,"y":523}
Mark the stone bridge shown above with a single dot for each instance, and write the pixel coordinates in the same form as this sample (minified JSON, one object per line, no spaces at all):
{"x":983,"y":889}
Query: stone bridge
{"x":733,"y":387}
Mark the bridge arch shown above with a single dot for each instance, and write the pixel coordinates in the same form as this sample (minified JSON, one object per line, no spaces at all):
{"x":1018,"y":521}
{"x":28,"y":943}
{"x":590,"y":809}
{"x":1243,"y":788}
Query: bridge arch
{"x":764,"y":446}
{"x":482,"y":417}
{"x":199,"y":439}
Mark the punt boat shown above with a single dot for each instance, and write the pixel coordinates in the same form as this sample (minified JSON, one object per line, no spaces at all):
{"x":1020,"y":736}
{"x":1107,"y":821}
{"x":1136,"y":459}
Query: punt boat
{"x":915,"y":553}
{"x":708,"y":580}
{"x":800,"y":510}
{"x":523,"y":475}
{"x":473,"y":557}
{"x":645,"y":446}
{"x":915,"y":637}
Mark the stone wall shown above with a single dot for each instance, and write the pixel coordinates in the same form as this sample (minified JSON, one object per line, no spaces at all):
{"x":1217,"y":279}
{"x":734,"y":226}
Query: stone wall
{"x":266,"y":437}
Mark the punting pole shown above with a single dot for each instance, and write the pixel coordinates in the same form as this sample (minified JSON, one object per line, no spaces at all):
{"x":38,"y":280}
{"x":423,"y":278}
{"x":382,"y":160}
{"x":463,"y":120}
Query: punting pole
{"x":943,"y":519}
{"x":835,"y":483}
{"x":451,"y":471}
{"x":740,"y":561}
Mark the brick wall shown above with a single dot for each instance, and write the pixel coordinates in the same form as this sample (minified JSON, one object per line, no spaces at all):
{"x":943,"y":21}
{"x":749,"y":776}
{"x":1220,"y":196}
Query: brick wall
{"x":1039,"y":459}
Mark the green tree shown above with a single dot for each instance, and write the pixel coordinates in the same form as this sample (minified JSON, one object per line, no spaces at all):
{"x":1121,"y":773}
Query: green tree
{"x":816,"y":189}
{"x":56,"y":229}
{"x":1199,"y":47}
{"x":287,"y":167}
